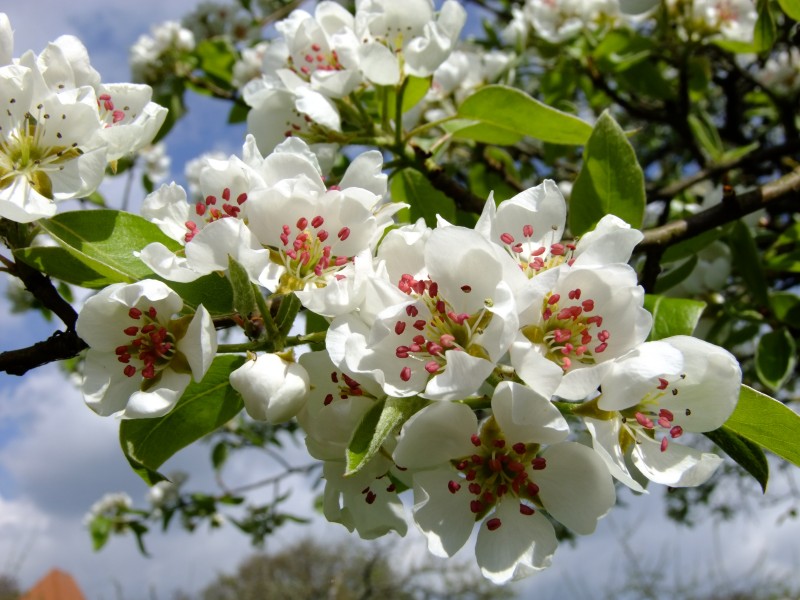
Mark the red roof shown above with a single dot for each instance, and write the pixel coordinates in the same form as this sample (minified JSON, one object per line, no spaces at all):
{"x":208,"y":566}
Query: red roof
{"x":56,"y":585}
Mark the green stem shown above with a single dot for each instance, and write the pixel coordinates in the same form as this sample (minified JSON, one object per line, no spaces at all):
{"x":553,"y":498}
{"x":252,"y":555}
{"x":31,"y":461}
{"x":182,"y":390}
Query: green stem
{"x":477,"y":402}
{"x":308,"y":338}
{"x":429,"y":125}
{"x":273,"y":333}
{"x":243,"y":347}
{"x":398,"y":114}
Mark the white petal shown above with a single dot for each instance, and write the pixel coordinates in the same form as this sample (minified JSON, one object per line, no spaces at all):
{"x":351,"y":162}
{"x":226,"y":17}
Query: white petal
{"x":525,"y":416}
{"x":379,"y":64}
{"x":521,"y":546}
{"x":273,"y":390}
{"x":199,"y":345}
{"x":444,"y":518}
{"x":677,"y":466}
{"x":435,"y":435}
{"x":575,"y":487}
{"x":605,"y":440}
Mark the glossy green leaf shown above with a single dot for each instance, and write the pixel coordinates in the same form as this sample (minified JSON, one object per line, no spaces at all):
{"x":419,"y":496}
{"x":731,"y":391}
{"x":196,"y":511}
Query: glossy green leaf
{"x":776,"y":357}
{"x":105,"y":240}
{"x":786,"y":307}
{"x":765,"y":30}
{"x":377,"y":424}
{"x":424,"y":200}
{"x":791,"y":8}
{"x":610,"y":181}
{"x":675,"y":275}
{"x":505,"y":113}
{"x":706,"y":134}
{"x":747,"y":262}
{"x":672,"y":316}
{"x":204,"y":407}
{"x":59,"y":263}
{"x":768,"y":423}
{"x":747,"y":454}
{"x":213,"y":291}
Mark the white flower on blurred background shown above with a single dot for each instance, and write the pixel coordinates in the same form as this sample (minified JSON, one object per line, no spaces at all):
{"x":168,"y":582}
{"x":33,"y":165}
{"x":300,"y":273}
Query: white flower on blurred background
{"x":499,"y":475}
{"x":47,"y":147}
{"x":141,"y":357}
{"x":655,"y":394}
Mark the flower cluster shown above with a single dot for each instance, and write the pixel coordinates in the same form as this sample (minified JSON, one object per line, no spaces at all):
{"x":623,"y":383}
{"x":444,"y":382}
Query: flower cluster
{"x":60,"y":125}
{"x":321,"y":58}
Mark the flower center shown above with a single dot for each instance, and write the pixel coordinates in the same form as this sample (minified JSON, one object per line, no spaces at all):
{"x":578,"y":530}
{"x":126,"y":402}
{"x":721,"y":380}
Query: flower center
{"x":533,"y":258}
{"x":444,"y":329}
{"x":110,"y":114}
{"x":496,"y":471}
{"x":346,"y":387}
{"x":209,"y":211}
{"x":306,"y":255}
{"x":315,"y":58}
{"x":152,"y":345}
{"x":568,"y":331}
{"x":23,"y":153}
{"x":647,"y":418}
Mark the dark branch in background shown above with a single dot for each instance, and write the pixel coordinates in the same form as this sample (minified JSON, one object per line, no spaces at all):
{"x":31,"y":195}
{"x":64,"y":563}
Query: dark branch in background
{"x":755,"y":157}
{"x":731,"y":208}
{"x":59,"y":346}
{"x":463,"y":197}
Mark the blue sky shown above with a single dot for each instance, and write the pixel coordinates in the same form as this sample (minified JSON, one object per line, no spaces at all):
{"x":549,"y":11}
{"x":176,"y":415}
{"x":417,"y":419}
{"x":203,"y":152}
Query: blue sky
{"x":57,"y":457}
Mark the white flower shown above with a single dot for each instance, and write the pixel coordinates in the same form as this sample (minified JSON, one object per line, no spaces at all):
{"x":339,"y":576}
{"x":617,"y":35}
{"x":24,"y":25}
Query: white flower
{"x":45,"y":150}
{"x":273,"y":389}
{"x":109,"y":505}
{"x":321,"y":50}
{"x":582,"y":317}
{"x":367,"y":501}
{"x":675,"y":385}
{"x":409,"y":28}
{"x":140,"y":358}
{"x":148,"y":49}
{"x":499,"y":475}
{"x":316,"y":231}
{"x":781,"y":72}
{"x":444,"y":327}
{"x":286,"y":108}
{"x":734,"y":19}
{"x":214,"y":229}
{"x":155,"y":162}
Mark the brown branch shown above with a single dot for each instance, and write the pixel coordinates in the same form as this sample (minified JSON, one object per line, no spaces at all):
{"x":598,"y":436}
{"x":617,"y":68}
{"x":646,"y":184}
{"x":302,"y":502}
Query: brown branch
{"x":731,"y":208}
{"x":751,"y":158}
{"x":439,"y":179}
{"x":59,"y":346}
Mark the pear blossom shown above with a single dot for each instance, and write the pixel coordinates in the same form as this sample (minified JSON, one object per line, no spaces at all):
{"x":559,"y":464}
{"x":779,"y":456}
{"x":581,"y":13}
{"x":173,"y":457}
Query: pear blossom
{"x":559,"y":20}
{"x":46,"y":148}
{"x":273,"y":389}
{"x":141,"y":357}
{"x":314,"y":232}
{"x":499,"y":475}
{"x":781,"y":72}
{"x":320,"y":50}
{"x":449,"y":325}
{"x":582,"y":317}
{"x":651,"y":397}
{"x":211,"y":231}
{"x":149,"y":53}
{"x":279,"y":111}
{"x":129,"y":120}
{"x":389,"y":28}
{"x":367,"y":501}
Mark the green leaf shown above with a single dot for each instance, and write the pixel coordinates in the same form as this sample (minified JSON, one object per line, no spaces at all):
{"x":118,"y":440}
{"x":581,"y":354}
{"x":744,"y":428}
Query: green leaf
{"x":100,"y":530}
{"x":59,"y":263}
{"x":791,"y":8}
{"x":377,"y":424}
{"x":104,"y":241}
{"x":786,"y":307}
{"x":610,"y":181}
{"x":411,"y":186}
{"x":287,"y":313}
{"x":675,"y":275}
{"x":244,"y":298}
{"x":768,"y":423}
{"x":204,"y":407}
{"x":672,"y":316}
{"x":314,"y":324}
{"x":706,"y":134}
{"x":217,"y":58}
{"x":765,"y":30}
{"x":747,"y":454}
{"x":505,"y":113}
{"x":746,"y":259}
{"x":776,"y":357}
{"x":212,"y":291}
